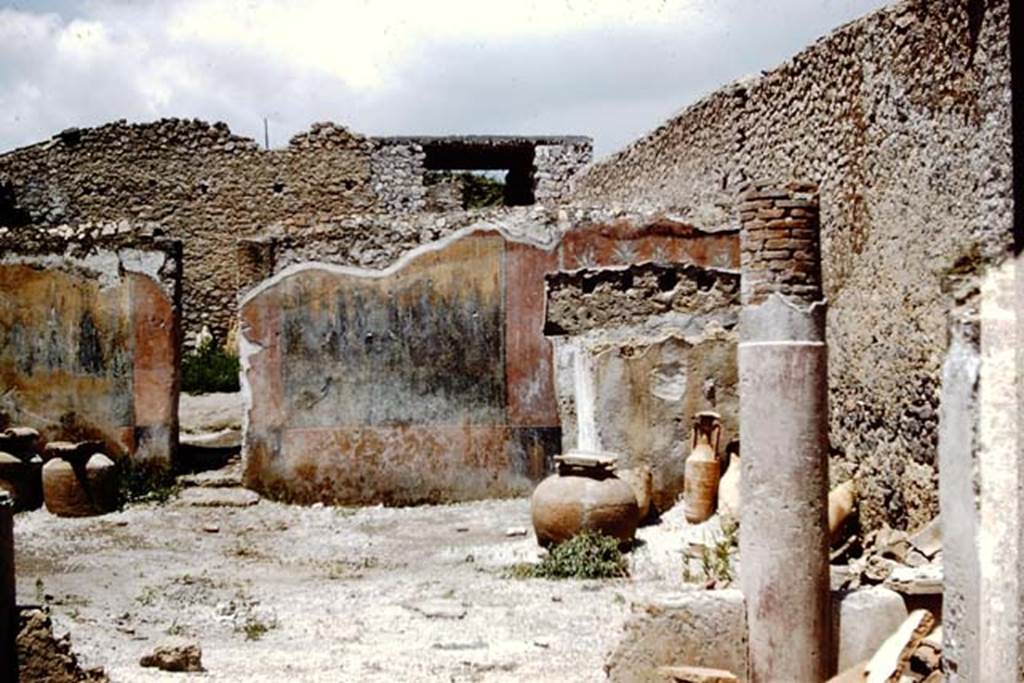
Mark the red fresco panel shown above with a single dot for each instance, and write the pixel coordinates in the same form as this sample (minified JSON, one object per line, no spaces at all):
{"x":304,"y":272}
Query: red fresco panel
{"x":529,"y":359}
{"x":154,"y":355}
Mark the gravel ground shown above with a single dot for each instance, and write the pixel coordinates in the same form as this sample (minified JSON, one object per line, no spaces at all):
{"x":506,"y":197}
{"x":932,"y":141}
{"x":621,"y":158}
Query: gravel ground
{"x":275,"y":592}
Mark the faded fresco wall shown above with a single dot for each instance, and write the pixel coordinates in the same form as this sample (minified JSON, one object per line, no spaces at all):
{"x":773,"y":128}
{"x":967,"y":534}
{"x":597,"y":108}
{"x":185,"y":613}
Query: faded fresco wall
{"x":391,"y":387}
{"x":903,"y":120}
{"x":429,"y":380}
{"x":89,"y":340}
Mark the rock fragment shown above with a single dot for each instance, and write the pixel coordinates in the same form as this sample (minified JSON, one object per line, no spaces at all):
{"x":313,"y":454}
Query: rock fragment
{"x":175,"y":654}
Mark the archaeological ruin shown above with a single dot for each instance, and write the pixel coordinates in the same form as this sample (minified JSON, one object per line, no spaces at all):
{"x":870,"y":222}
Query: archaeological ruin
{"x":821,"y":262}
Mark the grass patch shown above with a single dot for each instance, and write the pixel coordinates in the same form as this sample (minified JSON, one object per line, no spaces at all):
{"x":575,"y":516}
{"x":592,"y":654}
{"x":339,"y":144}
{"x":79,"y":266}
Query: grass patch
{"x":209,"y":368}
{"x":254,"y":628}
{"x":589,"y":555}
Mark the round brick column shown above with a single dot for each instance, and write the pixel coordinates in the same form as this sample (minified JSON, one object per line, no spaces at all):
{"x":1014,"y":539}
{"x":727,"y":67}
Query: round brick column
{"x":784,"y":435}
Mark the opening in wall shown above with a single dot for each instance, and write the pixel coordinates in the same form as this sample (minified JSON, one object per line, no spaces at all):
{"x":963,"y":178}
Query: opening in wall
{"x":477,"y":170}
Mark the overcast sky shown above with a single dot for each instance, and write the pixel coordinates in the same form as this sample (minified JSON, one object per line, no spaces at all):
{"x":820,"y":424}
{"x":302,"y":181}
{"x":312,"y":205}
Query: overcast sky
{"x":610,"y":69}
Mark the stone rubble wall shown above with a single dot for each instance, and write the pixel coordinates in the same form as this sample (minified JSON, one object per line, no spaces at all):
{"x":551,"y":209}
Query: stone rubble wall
{"x":90,"y":331}
{"x":207,"y":187}
{"x":903,"y":120}
{"x":556,"y":165}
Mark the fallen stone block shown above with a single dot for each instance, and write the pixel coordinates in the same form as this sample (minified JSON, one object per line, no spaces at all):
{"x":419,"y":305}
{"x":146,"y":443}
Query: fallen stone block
{"x":925,"y":580}
{"x":862,"y":620}
{"x":175,"y":654}
{"x":699,"y":628}
{"x":43,"y":657}
{"x":696,"y":674}
{"x":928,"y":539}
{"x":218,"y":497}
{"x":891,"y":659}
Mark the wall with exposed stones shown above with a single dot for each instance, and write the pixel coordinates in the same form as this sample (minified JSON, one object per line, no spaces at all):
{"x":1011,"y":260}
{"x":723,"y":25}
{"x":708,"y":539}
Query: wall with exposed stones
{"x":90,"y":338}
{"x":659,"y":344}
{"x":903,"y":120}
{"x":207,"y":187}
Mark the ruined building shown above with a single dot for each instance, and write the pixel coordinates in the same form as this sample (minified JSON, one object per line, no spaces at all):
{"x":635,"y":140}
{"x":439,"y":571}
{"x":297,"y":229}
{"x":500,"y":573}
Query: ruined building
{"x":400,"y":347}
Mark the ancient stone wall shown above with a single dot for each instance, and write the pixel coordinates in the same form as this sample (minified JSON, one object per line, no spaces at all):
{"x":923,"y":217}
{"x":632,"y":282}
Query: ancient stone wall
{"x":207,"y":187}
{"x":902,"y":119}
{"x":90,"y":337}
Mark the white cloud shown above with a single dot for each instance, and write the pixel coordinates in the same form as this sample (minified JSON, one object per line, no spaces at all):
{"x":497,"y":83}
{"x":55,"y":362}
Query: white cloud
{"x":606,"y":68}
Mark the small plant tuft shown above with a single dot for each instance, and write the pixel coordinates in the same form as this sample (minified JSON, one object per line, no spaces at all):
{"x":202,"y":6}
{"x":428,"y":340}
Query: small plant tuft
{"x":209,"y":368}
{"x":142,"y":482}
{"x":716,"y":569}
{"x":589,"y":555}
{"x":255,"y":628}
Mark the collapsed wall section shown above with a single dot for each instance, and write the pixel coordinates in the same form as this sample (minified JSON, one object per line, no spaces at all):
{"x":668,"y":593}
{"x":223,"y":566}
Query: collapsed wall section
{"x":903,"y":121}
{"x":659,"y":341}
{"x":89,"y":338}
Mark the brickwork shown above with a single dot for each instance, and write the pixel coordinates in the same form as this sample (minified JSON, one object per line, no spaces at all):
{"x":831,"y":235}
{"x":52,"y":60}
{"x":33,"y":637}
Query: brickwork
{"x":779,"y":241}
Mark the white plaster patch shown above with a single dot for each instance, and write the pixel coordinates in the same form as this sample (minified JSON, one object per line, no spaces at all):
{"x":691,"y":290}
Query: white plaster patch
{"x":246,"y":350}
{"x":668,"y":381}
{"x":143,"y":262}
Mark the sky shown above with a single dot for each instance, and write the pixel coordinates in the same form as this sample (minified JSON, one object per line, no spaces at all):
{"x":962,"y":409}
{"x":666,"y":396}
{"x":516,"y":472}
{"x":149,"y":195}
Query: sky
{"x":610,"y":69}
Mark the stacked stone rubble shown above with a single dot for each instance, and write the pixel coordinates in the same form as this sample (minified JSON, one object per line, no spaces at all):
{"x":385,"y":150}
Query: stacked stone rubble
{"x":208,"y":187}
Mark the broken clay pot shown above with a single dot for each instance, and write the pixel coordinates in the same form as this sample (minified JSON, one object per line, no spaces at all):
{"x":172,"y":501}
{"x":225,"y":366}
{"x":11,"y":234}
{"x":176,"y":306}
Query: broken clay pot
{"x":642,"y":480}
{"x":585,"y":495}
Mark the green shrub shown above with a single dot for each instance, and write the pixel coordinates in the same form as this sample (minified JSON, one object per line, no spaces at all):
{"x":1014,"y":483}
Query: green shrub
{"x":481,"y":192}
{"x":589,"y":555}
{"x":209,"y":368}
{"x":145,"y":482}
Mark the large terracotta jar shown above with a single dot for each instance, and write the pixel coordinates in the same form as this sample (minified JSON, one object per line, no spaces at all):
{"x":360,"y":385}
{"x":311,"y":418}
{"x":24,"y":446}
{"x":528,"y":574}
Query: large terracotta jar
{"x":77,"y":489}
{"x":584,"y":495}
{"x":703,"y":468}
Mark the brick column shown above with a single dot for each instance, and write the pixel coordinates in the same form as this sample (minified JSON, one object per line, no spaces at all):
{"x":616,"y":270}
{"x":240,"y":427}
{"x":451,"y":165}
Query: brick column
{"x":784,"y":435}
{"x":8,"y":609}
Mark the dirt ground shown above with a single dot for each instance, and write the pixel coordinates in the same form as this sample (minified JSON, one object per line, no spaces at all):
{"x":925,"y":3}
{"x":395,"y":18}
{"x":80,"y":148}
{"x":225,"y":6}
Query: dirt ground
{"x":278,"y":592}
